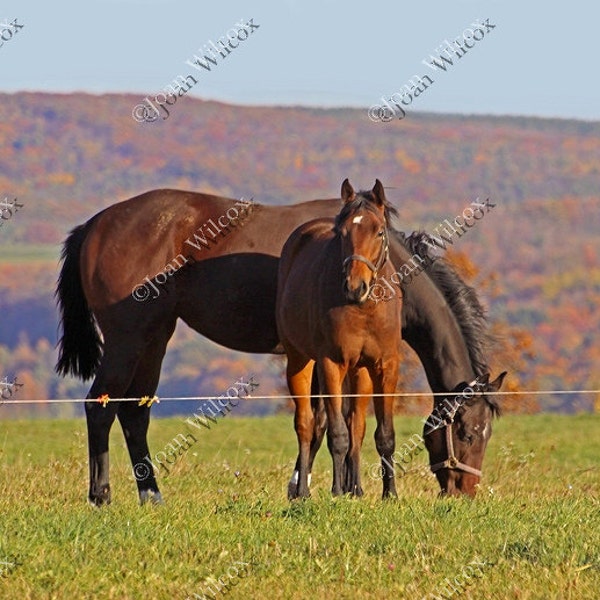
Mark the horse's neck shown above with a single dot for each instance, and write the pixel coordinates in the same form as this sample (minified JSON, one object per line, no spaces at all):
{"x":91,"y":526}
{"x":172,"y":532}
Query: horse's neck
{"x":441,"y":348}
{"x":432,"y":330}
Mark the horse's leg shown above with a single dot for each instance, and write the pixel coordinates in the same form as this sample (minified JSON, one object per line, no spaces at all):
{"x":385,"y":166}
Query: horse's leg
{"x":135,"y":419}
{"x":385,"y":438}
{"x":332,"y":375}
{"x":299,"y":372}
{"x":320,"y":426}
{"x":113,"y":377}
{"x":356,"y":420}
{"x":99,"y":421}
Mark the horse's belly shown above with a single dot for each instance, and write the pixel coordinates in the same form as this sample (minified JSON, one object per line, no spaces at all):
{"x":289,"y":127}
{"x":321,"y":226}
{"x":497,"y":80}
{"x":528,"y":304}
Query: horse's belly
{"x":231,"y":300}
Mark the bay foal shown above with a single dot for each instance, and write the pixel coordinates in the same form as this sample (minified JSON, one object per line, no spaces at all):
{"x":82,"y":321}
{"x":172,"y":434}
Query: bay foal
{"x":324,"y":316}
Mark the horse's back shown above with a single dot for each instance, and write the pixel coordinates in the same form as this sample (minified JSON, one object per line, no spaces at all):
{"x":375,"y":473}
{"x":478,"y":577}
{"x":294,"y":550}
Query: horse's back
{"x":134,"y":238}
{"x":299,"y":265}
{"x":308,"y":239}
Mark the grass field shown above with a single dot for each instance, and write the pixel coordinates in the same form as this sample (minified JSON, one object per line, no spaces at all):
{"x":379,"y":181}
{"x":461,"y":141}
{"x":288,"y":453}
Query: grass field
{"x":532,"y":532}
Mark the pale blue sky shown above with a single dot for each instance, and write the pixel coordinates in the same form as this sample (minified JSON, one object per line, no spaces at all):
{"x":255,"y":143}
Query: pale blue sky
{"x":539,"y":60}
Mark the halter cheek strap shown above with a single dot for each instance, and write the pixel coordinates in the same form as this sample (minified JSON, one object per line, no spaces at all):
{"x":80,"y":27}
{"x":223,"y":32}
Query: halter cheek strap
{"x":452,"y":462}
{"x":383,"y":256}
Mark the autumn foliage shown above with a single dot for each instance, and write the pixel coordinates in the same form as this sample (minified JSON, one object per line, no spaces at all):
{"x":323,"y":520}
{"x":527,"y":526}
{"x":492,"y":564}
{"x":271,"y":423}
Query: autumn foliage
{"x":535,"y":260}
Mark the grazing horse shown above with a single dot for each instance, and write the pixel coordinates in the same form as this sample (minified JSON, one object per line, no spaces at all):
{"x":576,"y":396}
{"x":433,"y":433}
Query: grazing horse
{"x":445,"y":324}
{"x":456,"y":447}
{"x":459,"y":430}
{"x":225,"y":291}
{"x":325,"y":317}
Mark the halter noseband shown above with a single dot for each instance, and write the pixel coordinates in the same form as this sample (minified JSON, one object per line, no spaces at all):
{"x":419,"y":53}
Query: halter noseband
{"x":451,"y":462}
{"x":383,"y":255}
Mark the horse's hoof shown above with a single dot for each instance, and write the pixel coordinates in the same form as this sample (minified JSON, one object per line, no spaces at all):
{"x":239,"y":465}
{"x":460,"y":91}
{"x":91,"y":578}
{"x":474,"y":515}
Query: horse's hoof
{"x":292,"y":491}
{"x":353,"y":489}
{"x":150,"y":496}
{"x":293,"y":486}
{"x":97,"y":499}
{"x":97,"y":502}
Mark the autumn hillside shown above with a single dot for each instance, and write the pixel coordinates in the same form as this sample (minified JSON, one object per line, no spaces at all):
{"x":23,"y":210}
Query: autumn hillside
{"x":535,"y":257}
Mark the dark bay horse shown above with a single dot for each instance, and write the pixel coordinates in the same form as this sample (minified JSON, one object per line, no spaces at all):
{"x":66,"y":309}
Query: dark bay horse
{"x":457,"y":446}
{"x":226,"y":291}
{"x":325,"y":318}
{"x":457,"y":432}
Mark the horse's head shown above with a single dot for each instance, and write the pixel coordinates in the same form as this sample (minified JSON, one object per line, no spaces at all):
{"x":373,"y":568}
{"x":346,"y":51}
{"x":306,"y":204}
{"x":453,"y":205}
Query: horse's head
{"x":362,"y":228}
{"x":457,"y":432}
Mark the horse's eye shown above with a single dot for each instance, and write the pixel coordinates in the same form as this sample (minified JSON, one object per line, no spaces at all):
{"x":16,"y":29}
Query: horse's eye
{"x":380,"y":234}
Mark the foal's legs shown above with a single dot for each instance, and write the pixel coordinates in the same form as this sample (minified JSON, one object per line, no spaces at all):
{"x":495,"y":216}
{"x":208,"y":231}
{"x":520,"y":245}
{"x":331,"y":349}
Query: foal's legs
{"x":320,"y":420}
{"x":332,"y":375}
{"x":356,"y":420}
{"x":135,"y":419}
{"x":299,"y":371}
{"x":385,"y":381}
{"x":320,"y":426}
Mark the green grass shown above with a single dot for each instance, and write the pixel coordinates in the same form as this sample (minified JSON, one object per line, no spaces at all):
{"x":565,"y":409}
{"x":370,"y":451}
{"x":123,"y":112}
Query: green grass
{"x":535,"y":522}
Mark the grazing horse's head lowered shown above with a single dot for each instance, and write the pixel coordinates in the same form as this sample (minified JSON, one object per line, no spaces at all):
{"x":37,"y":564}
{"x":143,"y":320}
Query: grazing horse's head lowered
{"x":457,"y":432}
{"x":108,"y":334}
{"x":362,"y":227}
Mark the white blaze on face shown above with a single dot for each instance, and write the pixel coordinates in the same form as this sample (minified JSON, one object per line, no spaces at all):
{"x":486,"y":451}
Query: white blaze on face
{"x":357,"y":220}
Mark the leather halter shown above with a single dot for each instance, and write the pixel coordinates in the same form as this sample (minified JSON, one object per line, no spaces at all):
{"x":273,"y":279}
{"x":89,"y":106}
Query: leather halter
{"x":383,"y":255}
{"x":452,"y":461}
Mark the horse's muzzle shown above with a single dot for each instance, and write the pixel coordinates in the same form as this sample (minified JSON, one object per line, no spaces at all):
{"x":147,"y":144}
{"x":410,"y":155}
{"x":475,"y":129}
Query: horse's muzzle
{"x":356,"y":295}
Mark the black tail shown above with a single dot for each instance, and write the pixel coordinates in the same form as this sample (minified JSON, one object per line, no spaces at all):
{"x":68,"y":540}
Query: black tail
{"x":80,"y":347}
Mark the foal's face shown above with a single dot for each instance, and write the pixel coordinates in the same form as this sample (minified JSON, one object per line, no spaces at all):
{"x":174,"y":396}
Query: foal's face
{"x":362,"y":234}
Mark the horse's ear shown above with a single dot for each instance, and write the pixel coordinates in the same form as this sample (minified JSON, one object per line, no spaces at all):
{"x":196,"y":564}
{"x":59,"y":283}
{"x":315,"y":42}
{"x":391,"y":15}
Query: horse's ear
{"x":495,"y":385}
{"x":379,"y":192}
{"x":481,"y":381}
{"x":347,"y":191}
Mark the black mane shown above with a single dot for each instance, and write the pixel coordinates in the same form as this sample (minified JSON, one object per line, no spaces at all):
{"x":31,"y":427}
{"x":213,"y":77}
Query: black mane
{"x":462,"y":299}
